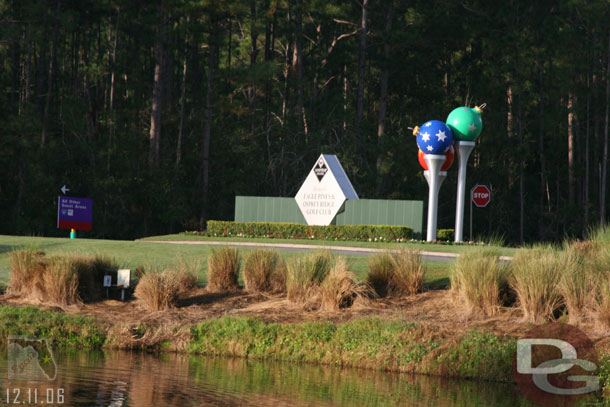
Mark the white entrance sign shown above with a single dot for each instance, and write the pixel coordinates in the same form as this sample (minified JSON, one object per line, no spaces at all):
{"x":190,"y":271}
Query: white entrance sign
{"x":324,"y":191}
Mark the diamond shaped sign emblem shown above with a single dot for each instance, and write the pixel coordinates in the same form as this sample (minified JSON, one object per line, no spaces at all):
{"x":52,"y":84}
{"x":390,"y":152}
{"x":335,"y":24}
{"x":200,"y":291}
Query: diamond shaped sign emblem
{"x":324,"y":191}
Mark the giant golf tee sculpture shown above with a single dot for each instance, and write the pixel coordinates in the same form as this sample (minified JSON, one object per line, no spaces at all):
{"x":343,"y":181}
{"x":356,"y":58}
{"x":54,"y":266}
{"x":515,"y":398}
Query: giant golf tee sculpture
{"x":436,"y":154}
{"x":434,"y":139}
{"x":466,"y":125}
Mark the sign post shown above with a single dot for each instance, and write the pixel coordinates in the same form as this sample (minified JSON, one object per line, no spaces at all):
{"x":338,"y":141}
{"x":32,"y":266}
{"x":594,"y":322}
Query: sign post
{"x":480,"y":195}
{"x":74,"y":214}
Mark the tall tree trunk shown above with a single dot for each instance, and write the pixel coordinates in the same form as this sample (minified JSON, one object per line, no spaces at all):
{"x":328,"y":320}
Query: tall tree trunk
{"x":602,"y":205}
{"x":586,"y":181}
{"x":361,"y":68}
{"x":253,"y":55}
{"x":344,"y":97}
{"x":298,"y":53}
{"x":383,"y":97}
{"x":157,"y":97}
{"x":112,"y":78}
{"x":182,"y":108}
{"x":41,"y":71}
{"x":52,"y":63}
{"x":521,"y":175}
{"x":541,"y":157}
{"x":571,"y":149}
{"x":205,"y":158}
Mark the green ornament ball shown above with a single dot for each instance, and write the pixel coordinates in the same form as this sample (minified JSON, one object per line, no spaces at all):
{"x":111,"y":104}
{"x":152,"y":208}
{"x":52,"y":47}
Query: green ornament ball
{"x":465,"y":123}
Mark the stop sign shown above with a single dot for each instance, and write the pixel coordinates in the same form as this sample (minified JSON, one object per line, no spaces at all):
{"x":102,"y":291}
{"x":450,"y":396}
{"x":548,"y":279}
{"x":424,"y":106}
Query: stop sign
{"x":481,"y":195}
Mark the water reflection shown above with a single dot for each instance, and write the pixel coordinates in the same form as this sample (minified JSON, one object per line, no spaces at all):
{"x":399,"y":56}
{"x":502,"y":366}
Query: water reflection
{"x":121,"y":379}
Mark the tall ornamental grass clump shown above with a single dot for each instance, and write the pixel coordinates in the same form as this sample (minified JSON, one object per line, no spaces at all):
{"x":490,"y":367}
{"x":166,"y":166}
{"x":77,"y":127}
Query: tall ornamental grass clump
{"x":223,"y":269}
{"x":396,"y":274}
{"x":187,"y":274}
{"x":61,"y":279}
{"x":264,"y":271}
{"x":27,"y":269}
{"x":305,"y":274}
{"x":601,"y":282}
{"x":157,"y":291}
{"x":478,"y":279}
{"x":580,"y":279}
{"x":340,"y":288}
{"x":535,"y":277}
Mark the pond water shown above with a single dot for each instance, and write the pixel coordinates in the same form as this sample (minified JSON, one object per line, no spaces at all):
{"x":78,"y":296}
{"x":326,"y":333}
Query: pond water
{"x":121,"y":379}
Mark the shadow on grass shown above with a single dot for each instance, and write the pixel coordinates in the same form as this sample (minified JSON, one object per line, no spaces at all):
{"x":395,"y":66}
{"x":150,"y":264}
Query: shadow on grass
{"x":438,"y":284}
{"x":7,"y":248}
{"x":206,"y":298}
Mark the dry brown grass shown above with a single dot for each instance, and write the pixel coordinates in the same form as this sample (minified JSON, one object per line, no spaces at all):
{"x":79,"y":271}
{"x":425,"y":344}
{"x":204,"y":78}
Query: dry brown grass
{"x":397,"y":274}
{"x":305,"y":274}
{"x":27,"y":268}
{"x":602,"y":304}
{"x":223,"y":269}
{"x":157,"y":291}
{"x":478,"y":278}
{"x":187,"y":274}
{"x":536,"y":274}
{"x":61,"y":279}
{"x":381,"y":270}
{"x":264,"y":271}
{"x":579,"y":280}
{"x":340,"y":289}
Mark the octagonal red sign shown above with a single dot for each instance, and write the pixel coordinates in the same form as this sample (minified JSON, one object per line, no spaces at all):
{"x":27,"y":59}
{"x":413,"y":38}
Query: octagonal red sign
{"x":481,"y":195}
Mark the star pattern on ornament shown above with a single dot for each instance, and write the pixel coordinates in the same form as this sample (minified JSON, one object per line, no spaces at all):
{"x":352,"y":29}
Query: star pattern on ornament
{"x":428,"y":124}
{"x":441,"y":135}
{"x":471,"y":128}
{"x":430,"y":148}
{"x":425,"y":137}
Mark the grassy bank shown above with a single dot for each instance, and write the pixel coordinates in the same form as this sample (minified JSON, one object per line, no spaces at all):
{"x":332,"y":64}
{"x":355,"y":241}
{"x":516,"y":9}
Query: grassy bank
{"x":369,"y":343}
{"x":61,"y":330}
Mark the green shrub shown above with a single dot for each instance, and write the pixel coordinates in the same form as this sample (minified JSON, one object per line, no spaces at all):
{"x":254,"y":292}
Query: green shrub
{"x":376,"y":233}
{"x":445,"y":235}
{"x":478,"y":277}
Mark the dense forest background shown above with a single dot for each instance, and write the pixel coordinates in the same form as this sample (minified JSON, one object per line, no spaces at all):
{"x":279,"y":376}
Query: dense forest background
{"x":162,"y":111}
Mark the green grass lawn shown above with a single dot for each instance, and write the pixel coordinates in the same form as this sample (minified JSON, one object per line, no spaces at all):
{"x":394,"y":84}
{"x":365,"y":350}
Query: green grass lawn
{"x":431,"y":247}
{"x":130,"y":254}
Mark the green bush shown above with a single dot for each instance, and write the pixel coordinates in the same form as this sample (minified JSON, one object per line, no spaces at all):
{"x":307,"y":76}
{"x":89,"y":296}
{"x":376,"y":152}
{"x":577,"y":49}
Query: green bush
{"x":376,"y":233}
{"x":445,"y":234}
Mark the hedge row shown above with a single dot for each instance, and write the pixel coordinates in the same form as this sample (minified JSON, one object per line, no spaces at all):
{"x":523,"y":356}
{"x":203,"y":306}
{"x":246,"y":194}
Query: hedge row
{"x":445,"y":235}
{"x":299,"y":231}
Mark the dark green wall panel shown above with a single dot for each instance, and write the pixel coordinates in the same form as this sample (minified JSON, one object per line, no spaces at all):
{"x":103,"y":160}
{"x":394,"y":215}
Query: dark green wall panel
{"x":355,"y":212}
